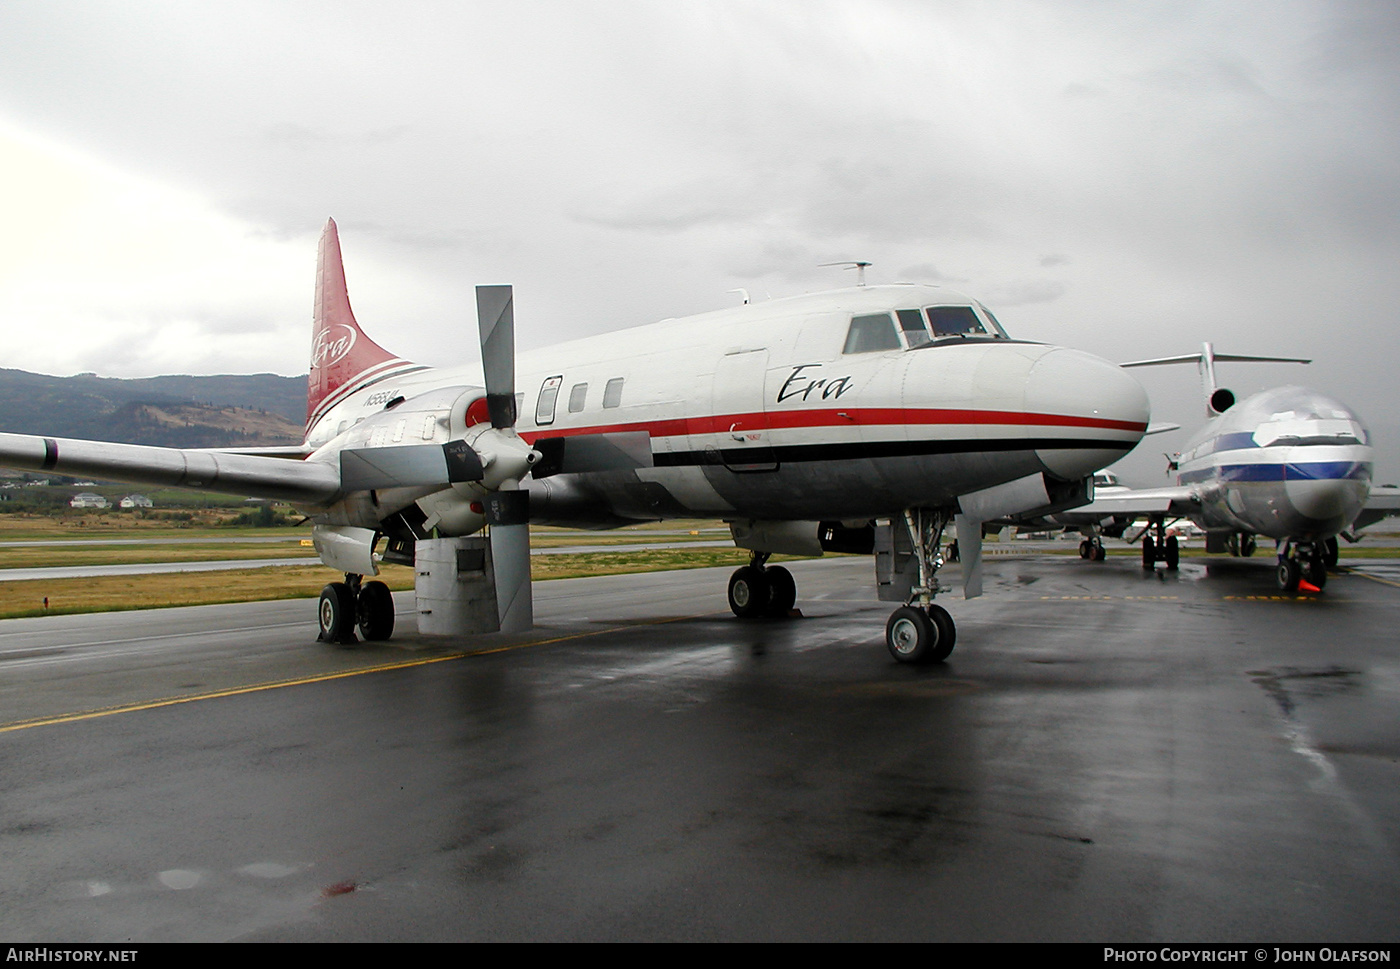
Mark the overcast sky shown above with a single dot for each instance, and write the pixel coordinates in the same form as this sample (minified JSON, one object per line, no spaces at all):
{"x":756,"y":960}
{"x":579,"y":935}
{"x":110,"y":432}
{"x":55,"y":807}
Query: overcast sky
{"x":1126,"y":178}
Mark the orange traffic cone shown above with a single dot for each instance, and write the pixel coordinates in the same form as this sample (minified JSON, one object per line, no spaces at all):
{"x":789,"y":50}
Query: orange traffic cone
{"x":1305,"y":586}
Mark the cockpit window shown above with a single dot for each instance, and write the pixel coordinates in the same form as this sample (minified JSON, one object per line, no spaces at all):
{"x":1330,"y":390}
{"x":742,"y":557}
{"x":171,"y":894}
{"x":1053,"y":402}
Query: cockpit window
{"x":870,"y":333}
{"x":954,"y":321}
{"x":912,"y":323}
{"x":996,"y":324}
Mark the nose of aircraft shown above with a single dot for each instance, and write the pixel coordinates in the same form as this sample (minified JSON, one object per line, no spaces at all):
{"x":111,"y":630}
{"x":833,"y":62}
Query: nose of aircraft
{"x":1093,"y":411}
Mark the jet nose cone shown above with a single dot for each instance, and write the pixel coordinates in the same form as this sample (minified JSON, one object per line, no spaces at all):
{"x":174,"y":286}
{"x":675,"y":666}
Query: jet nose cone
{"x":1327,"y":505}
{"x":1091,"y":412}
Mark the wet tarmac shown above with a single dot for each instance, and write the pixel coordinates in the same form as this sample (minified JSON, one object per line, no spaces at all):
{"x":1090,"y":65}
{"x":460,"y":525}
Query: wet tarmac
{"x":1107,"y":756}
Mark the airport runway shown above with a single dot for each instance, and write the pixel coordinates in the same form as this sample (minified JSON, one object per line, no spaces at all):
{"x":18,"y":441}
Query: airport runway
{"x":1108,"y":755}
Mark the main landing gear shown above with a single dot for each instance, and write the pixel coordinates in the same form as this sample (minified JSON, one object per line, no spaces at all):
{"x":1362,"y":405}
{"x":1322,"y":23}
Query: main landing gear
{"x":758,"y":590}
{"x":1092,"y":549}
{"x":346,"y":605}
{"x":1302,"y":560}
{"x":920,"y":631}
{"x":1161,"y":548}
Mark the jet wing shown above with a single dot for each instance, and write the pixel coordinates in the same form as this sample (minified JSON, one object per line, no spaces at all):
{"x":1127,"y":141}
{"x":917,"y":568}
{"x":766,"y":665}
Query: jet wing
{"x":1136,"y":502}
{"x":254,"y":475}
{"x":1384,"y":502}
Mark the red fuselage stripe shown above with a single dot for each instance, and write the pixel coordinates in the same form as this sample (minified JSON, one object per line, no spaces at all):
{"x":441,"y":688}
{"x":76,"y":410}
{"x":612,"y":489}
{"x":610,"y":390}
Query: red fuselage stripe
{"x":850,"y":417}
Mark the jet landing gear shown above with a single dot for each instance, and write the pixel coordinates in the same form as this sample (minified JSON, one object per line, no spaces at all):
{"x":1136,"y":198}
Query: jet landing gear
{"x":920,"y":631}
{"x":1092,"y":549}
{"x":756,"y":590}
{"x":1301,"y":560}
{"x":345,"y":605}
{"x":1161,"y":548}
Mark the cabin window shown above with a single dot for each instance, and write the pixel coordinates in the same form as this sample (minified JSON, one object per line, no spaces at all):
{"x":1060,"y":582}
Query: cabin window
{"x":612,"y":393}
{"x":870,"y":333}
{"x":549,"y":393}
{"x":954,"y":321}
{"x":576,"y":398}
{"x":912,"y":323}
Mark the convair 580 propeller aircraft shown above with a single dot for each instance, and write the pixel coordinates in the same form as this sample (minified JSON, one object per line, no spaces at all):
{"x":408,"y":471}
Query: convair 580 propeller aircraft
{"x":866,"y":420}
{"x":1289,"y":464}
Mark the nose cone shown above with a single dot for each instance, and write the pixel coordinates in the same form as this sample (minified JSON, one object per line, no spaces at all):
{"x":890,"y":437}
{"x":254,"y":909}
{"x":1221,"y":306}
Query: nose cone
{"x":1090,"y":412}
{"x":1326,"y":506}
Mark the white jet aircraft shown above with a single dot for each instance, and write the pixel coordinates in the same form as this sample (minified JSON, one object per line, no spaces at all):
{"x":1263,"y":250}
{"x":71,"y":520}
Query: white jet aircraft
{"x":1289,"y":464}
{"x":864,"y":419}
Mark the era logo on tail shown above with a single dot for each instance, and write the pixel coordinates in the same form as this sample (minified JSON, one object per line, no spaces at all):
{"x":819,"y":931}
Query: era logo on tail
{"x":332,"y":345}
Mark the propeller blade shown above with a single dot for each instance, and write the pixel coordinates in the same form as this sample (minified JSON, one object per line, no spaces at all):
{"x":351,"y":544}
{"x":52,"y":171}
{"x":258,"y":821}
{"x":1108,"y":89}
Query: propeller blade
{"x":508,"y":515}
{"x":495,"y":320}
{"x":970,"y":554}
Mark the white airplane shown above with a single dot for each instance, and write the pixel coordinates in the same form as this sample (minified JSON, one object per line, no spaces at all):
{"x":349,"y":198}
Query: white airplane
{"x":864,"y":419}
{"x":1288,"y":463}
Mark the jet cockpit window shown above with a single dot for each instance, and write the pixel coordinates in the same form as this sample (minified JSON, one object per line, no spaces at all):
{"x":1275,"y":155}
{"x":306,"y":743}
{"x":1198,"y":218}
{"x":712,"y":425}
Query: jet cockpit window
{"x":912,"y":323}
{"x":549,"y":393}
{"x":947,"y":321}
{"x":870,"y":333}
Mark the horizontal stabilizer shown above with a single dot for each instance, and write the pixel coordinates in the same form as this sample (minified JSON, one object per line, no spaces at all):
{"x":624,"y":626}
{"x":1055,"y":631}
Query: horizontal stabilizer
{"x":377,"y":468}
{"x":580,"y":453}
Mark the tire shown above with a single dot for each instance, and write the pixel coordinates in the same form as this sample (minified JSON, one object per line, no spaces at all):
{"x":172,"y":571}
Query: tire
{"x":1085,"y":551}
{"x":1172,"y":555}
{"x":375,"y":611}
{"x":947,"y":634}
{"x":1288,"y":575}
{"x":782,"y":591}
{"x":1331,"y":553}
{"x":1099,"y":553}
{"x":1316,"y":570}
{"x":911,"y":635}
{"x":749,"y":593}
{"x":1248,"y":545}
{"x":1149,"y":553}
{"x":336,"y":614}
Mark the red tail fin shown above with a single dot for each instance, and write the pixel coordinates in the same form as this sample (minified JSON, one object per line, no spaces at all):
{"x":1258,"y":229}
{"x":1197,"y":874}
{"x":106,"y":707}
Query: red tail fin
{"x":340,"y":351}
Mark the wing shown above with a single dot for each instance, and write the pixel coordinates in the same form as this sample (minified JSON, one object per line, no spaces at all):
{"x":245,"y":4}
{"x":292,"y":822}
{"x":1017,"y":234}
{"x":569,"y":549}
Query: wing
{"x":312,"y":483}
{"x":1383,"y":502}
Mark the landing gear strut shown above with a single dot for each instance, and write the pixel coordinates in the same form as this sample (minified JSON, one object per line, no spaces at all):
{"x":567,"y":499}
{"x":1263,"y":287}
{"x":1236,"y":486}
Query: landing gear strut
{"x":1161,"y":548}
{"x":1301,"y":560}
{"x":920,"y":631}
{"x":345,"y":605}
{"x":756,"y":590}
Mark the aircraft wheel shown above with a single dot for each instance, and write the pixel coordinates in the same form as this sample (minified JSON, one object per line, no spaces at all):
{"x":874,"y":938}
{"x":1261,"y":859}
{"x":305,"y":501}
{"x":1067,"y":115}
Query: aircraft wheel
{"x":1085,"y":550}
{"x":1149,"y":553}
{"x":911,"y":635}
{"x":375,"y":611}
{"x":947,"y":633}
{"x":1172,"y":553}
{"x":1288,"y":575}
{"x":1331,"y":553}
{"x":783,"y":591}
{"x":337,"y":614}
{"x":749,"y":592}
{"x":1248,"y":545}
{"x":1099,"y":553}
{"x":1316,"y":571}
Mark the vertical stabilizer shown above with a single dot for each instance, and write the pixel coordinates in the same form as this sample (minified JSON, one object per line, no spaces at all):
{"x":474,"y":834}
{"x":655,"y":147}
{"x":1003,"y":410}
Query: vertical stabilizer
{"x":1217,"y":398}
{"x":342,"y":357}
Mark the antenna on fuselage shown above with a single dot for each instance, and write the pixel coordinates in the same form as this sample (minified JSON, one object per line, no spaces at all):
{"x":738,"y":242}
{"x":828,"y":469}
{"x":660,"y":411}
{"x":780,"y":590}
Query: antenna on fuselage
{"x":857,"y":264}
{"x":742,"y":292}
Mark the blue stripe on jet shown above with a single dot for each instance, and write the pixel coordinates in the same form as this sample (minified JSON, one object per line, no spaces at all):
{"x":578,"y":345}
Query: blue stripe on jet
{"x":1310,"y":471}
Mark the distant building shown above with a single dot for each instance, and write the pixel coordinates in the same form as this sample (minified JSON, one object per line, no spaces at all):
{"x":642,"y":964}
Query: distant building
{"x":87,"y":499}
{"x":135,"y":501}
